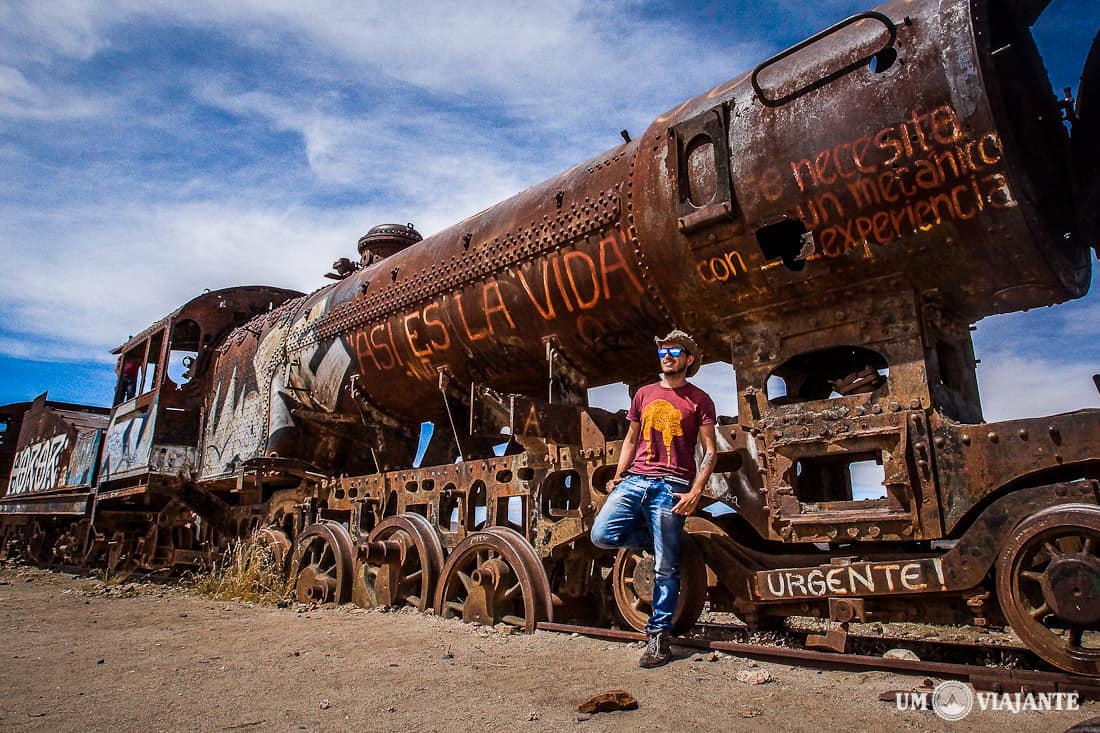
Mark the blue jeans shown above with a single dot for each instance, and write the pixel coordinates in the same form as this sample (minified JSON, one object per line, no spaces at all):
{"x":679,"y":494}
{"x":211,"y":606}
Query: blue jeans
{"x":638,"y":515}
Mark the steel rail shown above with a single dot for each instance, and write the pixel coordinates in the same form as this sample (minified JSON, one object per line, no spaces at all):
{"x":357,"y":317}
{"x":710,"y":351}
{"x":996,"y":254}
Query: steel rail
{"x":982,"y":678}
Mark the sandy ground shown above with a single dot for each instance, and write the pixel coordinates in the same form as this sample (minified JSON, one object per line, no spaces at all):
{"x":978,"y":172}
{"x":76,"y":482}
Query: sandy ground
{"x":80,"y":656}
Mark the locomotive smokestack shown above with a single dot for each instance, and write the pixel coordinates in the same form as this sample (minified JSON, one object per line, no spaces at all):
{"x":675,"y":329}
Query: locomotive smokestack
{"x":385,"y":240}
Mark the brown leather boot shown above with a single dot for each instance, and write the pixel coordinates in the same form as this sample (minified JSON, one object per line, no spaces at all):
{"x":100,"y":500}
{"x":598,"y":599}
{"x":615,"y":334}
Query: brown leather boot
{"x":658,"y":650}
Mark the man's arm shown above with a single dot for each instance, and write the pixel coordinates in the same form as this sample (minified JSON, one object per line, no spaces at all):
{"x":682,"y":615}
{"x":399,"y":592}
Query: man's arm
{"x":687,"y":503}
{"x":626,"y":456}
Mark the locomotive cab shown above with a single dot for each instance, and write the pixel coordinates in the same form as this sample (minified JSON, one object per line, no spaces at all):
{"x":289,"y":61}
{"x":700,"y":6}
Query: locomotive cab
{"x":154,"y":430}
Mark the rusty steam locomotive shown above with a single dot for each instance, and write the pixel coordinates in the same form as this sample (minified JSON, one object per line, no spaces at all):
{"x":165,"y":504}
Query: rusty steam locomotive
{"x":831,"y":224}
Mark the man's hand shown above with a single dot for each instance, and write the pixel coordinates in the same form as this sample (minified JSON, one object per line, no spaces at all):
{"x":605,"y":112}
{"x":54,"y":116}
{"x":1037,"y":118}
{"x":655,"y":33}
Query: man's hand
{"x":686,"y":503}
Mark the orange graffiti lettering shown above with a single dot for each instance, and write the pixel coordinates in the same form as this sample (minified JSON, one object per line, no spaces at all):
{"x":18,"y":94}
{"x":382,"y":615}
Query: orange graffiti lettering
{"x":589,"y":273}
{"x":411,"y":336}
{"x":496,"y":307}
{"x":444,"y":341}
{"x":376,"y":346}
{"x":610,"y":246}
{"x":472,"y":334}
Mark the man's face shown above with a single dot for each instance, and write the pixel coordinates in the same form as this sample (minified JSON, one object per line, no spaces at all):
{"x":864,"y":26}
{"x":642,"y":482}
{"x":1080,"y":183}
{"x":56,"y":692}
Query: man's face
{"x":675,"y":359}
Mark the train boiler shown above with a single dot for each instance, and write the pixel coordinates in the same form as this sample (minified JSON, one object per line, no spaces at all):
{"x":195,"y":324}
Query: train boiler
{"x":830,"y":224}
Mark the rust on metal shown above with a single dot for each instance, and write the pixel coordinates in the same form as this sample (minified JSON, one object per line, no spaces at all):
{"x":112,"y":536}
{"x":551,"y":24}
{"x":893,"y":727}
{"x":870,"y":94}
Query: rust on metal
{"x":830,"y":225}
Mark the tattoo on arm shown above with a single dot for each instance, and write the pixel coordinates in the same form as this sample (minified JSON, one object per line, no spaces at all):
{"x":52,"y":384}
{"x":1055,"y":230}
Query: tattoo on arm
{"x":708,"y":461}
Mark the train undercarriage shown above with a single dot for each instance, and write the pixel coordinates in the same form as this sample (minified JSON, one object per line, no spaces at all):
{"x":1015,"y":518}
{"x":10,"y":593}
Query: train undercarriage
{"x":504,"y":540}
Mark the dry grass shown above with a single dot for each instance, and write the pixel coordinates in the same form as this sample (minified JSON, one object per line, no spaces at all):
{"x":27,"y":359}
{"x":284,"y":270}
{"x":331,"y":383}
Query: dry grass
{"x":247,"y":572}
{"x":106,"y":577}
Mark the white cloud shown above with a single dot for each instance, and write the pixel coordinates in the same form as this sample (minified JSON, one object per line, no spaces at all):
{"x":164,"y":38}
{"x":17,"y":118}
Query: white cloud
{"x":21,"y":99}
{"x":41,"y":31}
{"x":1015,"y":385}
{"x":413,"y":157}
{"x":551,"y":63}
{"x":70,"y":293}
{"x":1083,"y":322}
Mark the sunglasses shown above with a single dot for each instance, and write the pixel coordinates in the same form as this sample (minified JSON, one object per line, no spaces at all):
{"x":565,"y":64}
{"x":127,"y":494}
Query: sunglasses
{"x":674,"y":351}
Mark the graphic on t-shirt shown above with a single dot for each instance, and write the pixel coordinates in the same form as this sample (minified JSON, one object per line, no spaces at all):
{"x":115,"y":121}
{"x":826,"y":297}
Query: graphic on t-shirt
{"x":660,"y":415}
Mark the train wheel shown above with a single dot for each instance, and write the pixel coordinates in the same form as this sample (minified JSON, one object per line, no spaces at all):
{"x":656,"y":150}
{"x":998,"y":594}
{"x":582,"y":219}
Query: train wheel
{"x":40,"y":542}
{"x":632,"y":584}
{"x":400,"y":565}
{"x":278,"y":544}
{"x":68,"y":548}
{"x":120,"y":553}
{"x":1048,"y":582}
{"x":322,"y":565}
{"x":493,"y":577}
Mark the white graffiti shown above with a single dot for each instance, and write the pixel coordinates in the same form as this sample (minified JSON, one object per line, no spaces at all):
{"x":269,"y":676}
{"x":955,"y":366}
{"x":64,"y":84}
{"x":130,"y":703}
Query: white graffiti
{"x":854,"y":579}
{"x":82,"y":461}
{"x":37,"y":467}
{"x":127,"y":446}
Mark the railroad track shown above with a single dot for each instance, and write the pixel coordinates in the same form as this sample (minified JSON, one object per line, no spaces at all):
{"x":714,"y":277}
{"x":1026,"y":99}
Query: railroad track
{"x":994,"y":679}
{"x":998,"y":653}
{"x":719,"y":637}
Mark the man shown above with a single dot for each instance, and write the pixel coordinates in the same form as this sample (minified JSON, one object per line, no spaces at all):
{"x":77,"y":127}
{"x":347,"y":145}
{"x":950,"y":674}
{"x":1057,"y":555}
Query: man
{"x":657,"y":485}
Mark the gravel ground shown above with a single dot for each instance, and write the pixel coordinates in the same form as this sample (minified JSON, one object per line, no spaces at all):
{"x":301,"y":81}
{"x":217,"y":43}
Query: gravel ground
{"x":82,"y":655}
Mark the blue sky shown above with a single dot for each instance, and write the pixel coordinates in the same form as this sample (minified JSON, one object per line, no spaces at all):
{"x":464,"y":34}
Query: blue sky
{"x":151,"y":149}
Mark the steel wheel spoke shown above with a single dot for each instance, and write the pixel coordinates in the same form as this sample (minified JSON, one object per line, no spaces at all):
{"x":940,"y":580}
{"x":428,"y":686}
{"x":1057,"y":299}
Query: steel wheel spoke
{"x":1040,"y":612}
{"x":1046,"y":582}
{"x":1032,"y":576}
{"x":497,"y":568}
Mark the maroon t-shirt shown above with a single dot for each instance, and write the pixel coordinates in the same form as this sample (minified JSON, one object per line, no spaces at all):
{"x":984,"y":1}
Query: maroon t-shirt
{"x":670,"y":420}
